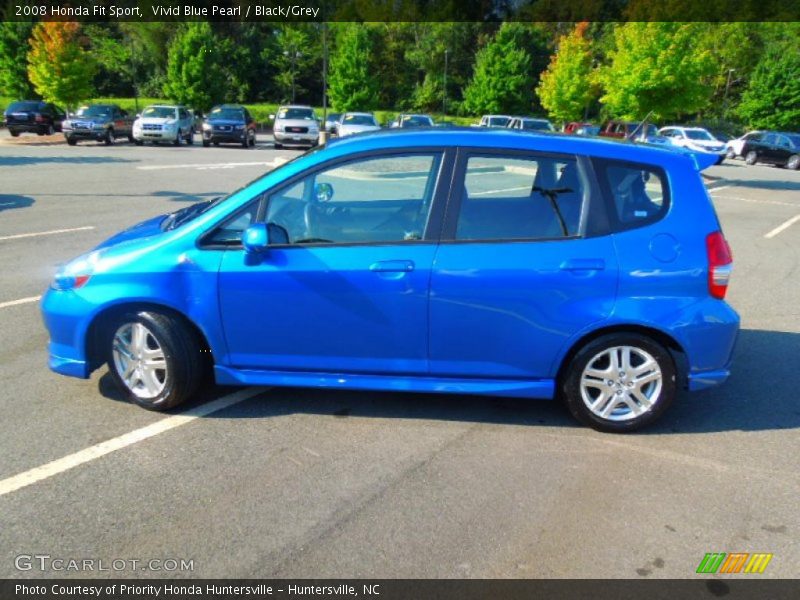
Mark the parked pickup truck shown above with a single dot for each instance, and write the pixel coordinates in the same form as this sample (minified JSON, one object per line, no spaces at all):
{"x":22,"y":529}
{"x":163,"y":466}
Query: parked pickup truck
{"x":99,"y":122}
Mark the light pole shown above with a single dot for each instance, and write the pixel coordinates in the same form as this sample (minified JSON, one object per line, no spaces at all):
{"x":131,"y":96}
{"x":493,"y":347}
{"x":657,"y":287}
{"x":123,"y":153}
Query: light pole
{"x":294,"y":55}
{"x":444,"y":99}
{"x":323,"y":132}
{"x":725,"y":97}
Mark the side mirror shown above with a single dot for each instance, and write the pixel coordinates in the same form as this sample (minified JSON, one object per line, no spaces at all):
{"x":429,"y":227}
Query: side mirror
{"x":138,"y":115}
{"x":323,"y":192}
{"x":255,"y":238}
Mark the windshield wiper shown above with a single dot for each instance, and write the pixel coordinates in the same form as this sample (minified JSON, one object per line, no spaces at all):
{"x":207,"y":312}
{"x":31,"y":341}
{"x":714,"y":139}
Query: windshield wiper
{"x":552,"y":195}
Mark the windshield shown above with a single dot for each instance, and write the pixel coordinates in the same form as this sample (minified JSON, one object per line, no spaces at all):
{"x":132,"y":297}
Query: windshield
{"x":98,"y":110}
{"x":359,"y":120}
{"x":418,"y":120}
{"x":23,"y":106}
{"x":699,"y":134}
{"x":235,"y":114}
{"x":536,"y":125}
{"x":305,"y":114}
{"x":333,"y":116}
{"x":159,"y":112}
{"x":499,"y":121}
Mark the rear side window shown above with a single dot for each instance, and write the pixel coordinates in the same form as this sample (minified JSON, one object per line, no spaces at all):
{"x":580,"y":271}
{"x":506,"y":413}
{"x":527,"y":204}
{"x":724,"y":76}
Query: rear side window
{"x":638,"y":194}
{"x":22,"y":106}
{"x":520,"y":198}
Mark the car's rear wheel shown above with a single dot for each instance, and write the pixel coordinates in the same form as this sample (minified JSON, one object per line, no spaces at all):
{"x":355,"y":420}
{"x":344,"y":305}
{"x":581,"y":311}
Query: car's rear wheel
{"x":794,"y":162}
{"x":13,"y":133}
{"x":109,"y":138}
{"x":751,"y":158}
{"x":71,"y":140}
{"x":620,"y":382}
{"x":154,"y":359}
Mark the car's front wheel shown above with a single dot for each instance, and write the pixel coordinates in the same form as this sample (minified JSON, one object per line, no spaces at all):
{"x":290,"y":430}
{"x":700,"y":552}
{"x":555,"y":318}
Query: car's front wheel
{"x":620,"y":382}
{"x":794,"y":162}
{"x":155,"y":359}
{"x":751,"y":158}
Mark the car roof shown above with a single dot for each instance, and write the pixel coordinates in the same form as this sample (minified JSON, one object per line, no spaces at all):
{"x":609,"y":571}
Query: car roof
{"x":511,"y":139}
{"x":295,"y":106}
{"x":366,"y":114}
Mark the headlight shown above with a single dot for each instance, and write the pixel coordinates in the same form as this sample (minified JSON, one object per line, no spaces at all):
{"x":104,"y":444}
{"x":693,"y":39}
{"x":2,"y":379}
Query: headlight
{"x":207,"y":127}
{"x":170,"y":125}
{"x":76,"y":273}
{"x":238,"y":127}
{"x":278,"y":128}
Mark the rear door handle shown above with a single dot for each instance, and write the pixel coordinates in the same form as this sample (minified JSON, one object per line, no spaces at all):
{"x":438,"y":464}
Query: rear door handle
{"x":392,"y":266}
{"x":583,"y":264}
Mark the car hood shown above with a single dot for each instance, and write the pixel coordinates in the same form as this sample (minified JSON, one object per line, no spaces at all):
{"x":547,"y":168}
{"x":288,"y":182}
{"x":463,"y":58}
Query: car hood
{"x":156,"y":120}
{"x":295,"y":123}
{"x":710,"y":145}
{"x":98,"y":119}
{"x":232,"y":122}
{"x":358,"y":128}
{"x":144,"y":229}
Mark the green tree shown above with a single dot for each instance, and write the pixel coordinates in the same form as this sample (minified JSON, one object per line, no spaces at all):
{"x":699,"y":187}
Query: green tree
{"x":194,"y":73}
{"x":566,"y":88}
{"x":13,"y":58}
{"x":291,"y":59}
{"x":772,"y":97}
{"x":58,"y":67}
{"x":502,"y":81}
{"x":660,"y":67}
{"x":352,"y":82}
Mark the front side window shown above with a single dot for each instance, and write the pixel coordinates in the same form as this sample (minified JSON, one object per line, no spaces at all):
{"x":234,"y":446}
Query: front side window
{"x":367,"y":200}
{"x":512,"y":197}
{"x":638,"y":193}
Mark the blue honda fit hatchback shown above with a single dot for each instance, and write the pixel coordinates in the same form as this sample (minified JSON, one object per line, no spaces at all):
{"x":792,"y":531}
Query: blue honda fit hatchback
{"x":478,"y":262}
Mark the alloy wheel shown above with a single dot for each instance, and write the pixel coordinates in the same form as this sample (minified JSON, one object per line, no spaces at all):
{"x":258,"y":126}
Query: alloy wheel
{"x":139,"y":360}
{"x":621,"y":383}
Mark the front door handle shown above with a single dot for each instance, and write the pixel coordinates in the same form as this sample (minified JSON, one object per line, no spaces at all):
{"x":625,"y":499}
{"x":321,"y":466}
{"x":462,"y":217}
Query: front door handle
{"x":392,"y":266}
{"x":583,"y":264}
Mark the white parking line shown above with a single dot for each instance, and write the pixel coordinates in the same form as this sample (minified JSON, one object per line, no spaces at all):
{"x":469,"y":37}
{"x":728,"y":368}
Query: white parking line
{"x":39,"y":233}
{"x":27,"y":300}
{"x":16,"y":482}
{"x":712,"y":188}
{"x":206,"y":166}
{"x":782,"y":227}
{"x":758,"y":201}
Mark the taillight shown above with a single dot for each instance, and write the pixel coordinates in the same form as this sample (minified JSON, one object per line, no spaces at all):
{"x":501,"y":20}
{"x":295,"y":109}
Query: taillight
{"x":720,"y":264}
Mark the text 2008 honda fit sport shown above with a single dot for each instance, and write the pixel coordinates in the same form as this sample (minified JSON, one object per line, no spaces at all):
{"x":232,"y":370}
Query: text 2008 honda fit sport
{"x":476,"y":262}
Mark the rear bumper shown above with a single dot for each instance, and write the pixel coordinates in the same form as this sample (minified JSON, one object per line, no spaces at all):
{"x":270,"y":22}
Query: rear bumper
{"x":708,"y":379}
{"x":28,"y":127}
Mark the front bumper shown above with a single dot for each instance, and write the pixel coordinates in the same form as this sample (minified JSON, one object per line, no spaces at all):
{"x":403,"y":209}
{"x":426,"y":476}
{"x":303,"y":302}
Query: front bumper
{"x":86,"y":134}
{"x":225,"y":137}
{"x":295,"y":138}
{"x":154,"y":135}
{"x":66,"y":316}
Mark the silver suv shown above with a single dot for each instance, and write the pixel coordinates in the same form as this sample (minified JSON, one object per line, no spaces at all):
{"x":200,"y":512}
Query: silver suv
{"x":295,"y":125}
{"x":164,"y":123}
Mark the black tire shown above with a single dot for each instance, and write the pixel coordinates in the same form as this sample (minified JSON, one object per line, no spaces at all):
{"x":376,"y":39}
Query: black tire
{"x":731,"y":153}
{"x":751,"y":158}
{"x":183,"y":359}
{"x":72,"y":141}
{"x":216,"y":144}
{"x":246,"y":140}
{"x":50,"y":130}
{"x":13,"y":133}
{"x":278,"y":146}
{"x":138,"y":142}
{"x":794,"y":162}
{"x":572,"y":393}
{"x":206,"y":143}
{"x":177,"y":140}
{"x":253,"y":140}
{"x":190,"y":138}
{"x":108,"y":140}
{"x":131,"y":139}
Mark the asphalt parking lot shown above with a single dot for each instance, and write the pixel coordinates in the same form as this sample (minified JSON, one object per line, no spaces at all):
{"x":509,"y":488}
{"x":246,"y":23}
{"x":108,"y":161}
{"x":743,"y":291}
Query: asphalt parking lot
{"x":302,"y":483}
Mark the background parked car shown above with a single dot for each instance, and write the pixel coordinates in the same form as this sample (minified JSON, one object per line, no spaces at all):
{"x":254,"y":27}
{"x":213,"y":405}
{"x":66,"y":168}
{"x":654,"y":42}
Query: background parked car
{"x":404,"y":121}
{"x":99,"y":122}
{"x":494,"y":121}
{"x":696,"y":139}
{"x":587,"y":129}
{"x":164,"y":123}
{"x":229,"y":124}
{"x":33,"y":116}
{"x":530,"y":124}
{"x":357,"y":122}
{"x":775,"y":148}
{"x":331,"y":121}
{"x":734,"y":148}
{"x":295,"y":125}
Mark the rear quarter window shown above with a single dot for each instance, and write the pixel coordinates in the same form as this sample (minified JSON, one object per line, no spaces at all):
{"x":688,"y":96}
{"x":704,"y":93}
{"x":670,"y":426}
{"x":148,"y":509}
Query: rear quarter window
{"x":636,"y":195}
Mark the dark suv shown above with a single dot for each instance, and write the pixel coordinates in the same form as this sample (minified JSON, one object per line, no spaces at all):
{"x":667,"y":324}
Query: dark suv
{"x":33,"y":116}
{"x":773,"y":147}
{"x":99,"y":122}
{"x":230,"y":124}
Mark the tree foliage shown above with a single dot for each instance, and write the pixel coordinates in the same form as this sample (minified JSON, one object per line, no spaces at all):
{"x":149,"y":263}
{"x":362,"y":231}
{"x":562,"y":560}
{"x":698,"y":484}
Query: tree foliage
{"x":194,"y":73}
{"x":58,"y":67}
{"x":13,"y":58}
{"x":566,"y":89}
{"x":660,"y":67}
{"x":352,"y":81}
{"x":502,"y":78}
{"x":772,"y":98}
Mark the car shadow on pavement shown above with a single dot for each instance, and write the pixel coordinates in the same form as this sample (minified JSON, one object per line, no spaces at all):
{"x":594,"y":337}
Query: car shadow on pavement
{"x":760,"y":395}
{"x":765,"y":184}
{"x":184,"y":197}
{"x":8,"y":202}
{"x":18,"y":161}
